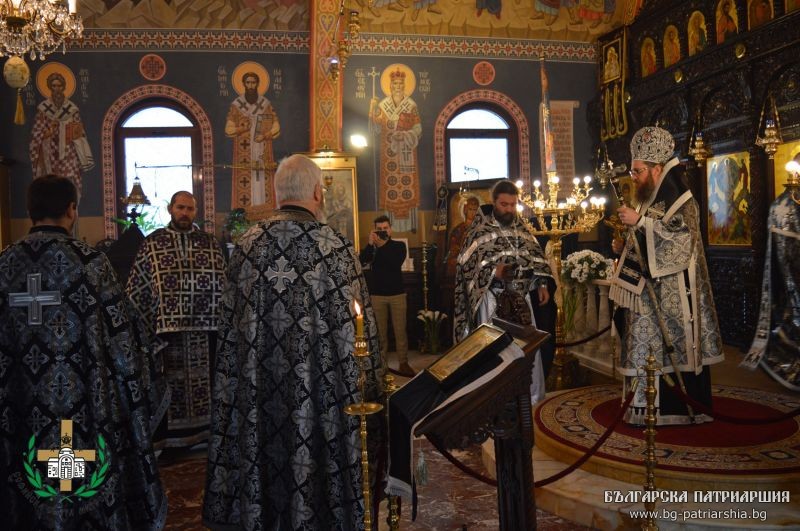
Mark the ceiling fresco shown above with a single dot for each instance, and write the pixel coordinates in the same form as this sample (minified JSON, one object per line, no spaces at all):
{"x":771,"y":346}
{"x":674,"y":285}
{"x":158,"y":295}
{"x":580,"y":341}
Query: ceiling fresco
{"x":562,"y":20}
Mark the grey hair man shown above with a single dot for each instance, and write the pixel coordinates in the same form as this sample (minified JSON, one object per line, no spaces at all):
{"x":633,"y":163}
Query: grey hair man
{"x":289,"y":321}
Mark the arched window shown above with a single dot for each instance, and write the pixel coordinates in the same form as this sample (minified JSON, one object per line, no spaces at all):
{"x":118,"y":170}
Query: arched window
{"x":482,"y":144}
{"x":159,"y":142}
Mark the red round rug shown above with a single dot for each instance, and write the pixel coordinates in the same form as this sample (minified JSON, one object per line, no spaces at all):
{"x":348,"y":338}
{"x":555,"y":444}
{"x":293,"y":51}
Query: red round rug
{"x":577,"y":418}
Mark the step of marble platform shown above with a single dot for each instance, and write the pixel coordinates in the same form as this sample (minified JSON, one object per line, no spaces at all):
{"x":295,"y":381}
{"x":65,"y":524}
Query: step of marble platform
{"x":580,"y":498}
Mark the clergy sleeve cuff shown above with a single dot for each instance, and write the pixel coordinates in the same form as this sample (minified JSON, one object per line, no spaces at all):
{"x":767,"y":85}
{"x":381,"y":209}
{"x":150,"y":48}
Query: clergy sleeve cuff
{"x":640,"y":223}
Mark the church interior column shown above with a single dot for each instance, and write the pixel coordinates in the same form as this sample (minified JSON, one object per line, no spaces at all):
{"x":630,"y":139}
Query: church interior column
{"x":325,"y":96}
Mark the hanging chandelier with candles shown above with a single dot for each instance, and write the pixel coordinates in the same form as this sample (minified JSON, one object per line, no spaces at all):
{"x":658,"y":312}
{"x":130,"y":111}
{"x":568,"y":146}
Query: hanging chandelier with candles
{"x":37,"y":27}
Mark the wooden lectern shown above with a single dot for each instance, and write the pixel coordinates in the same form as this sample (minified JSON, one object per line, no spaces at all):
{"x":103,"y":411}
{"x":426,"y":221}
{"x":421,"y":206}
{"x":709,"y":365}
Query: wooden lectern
{"x":501,"y":409}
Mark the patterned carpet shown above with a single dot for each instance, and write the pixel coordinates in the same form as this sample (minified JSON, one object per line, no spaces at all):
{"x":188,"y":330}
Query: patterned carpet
{"x":449,"y":501}
{"x":571,"y":422}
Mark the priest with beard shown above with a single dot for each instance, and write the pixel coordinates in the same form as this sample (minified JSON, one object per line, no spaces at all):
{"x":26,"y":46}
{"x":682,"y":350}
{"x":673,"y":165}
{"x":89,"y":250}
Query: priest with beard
{"x":665,"y":228}
{"x":283,"y":454}
{"x":175,"y":285}
{"x":73,"y":373}
{"x":501,"y":265}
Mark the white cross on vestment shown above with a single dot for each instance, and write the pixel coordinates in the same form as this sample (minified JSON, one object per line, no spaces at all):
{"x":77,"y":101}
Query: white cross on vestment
{"x":281,"y":273}
{"x":34,"y":299}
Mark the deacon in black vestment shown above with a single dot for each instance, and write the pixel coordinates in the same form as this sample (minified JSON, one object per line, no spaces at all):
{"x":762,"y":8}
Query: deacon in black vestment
{"x":70,"y":351}
{"x":175,"y":285}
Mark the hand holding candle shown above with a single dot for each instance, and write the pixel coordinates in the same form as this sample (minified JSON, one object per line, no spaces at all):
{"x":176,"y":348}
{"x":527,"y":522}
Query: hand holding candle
{"x":359,"y":320}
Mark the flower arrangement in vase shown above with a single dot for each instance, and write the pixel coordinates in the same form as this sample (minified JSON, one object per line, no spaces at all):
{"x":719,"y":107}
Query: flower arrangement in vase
{"x":432,"y":320}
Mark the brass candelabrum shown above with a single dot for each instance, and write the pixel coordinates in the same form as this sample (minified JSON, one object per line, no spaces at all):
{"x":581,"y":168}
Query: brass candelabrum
{"x":393,"y":517}
{"x":556,"y":218}
{"x":362,"y":410}
{"x":425,"y":275}
{"x":650,"y":439}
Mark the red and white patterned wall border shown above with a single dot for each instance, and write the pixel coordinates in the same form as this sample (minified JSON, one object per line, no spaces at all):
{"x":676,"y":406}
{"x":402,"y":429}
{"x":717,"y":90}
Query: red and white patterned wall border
{"x":471,"y":96}
{"x":110,"y":119}
{"x":366,"y":44}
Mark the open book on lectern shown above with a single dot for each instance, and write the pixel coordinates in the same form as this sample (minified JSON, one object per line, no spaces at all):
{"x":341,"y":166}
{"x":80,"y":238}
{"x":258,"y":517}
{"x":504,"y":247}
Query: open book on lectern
{"x":462,"y":370}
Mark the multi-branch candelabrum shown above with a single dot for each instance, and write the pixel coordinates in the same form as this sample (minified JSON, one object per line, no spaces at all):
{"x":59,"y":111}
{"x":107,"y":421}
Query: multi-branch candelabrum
{"x":37,"y":27}
{"x":557,"y":217}
{"x":362,"y":410}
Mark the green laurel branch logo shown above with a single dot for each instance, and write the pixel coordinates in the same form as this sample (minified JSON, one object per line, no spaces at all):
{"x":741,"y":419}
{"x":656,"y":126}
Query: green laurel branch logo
{"x":46,"y":491}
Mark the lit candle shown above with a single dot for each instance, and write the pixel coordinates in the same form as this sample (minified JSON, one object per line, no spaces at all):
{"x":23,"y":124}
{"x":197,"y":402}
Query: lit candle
{"x":359,"y":321}
{"x":73,"y":6}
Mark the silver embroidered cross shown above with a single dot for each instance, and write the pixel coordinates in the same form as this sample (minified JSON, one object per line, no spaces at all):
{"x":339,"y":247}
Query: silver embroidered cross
{"x":34,"y":299}
{"x":281,"y":273}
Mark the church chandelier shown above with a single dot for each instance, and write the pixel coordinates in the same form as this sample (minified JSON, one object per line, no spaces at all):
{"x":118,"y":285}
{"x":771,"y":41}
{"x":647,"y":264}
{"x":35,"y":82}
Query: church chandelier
{"x":37,"y":27}
{"x":558,"y":215}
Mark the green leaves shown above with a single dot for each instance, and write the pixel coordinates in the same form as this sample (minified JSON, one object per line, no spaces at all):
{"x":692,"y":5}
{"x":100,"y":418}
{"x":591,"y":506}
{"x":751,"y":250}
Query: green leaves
{"x":87,"y":490}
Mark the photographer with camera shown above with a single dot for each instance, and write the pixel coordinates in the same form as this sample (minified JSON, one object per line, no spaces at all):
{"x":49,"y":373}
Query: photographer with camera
{"x":385,"y":257}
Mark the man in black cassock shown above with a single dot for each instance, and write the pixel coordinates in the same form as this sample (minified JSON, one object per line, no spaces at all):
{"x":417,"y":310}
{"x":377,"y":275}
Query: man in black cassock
{"x":175,"y":285}
{"x":69,"y":351}
{"x":282,"y":453}
{"x":776,"y":345}
{"x":500,"y":252}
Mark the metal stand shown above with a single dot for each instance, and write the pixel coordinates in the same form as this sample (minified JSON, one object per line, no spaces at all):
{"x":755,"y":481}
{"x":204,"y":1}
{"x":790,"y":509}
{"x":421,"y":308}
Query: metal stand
{"x":425,"y":275}
{"x":650,"y":438}
{"x":564,"y":373}
{"x":362,"y":409}
{"x":393,"y":518}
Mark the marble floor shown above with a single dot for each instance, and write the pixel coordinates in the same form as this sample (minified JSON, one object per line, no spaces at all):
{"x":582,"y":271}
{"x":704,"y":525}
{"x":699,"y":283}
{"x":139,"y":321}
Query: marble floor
{"x":451,"y":500}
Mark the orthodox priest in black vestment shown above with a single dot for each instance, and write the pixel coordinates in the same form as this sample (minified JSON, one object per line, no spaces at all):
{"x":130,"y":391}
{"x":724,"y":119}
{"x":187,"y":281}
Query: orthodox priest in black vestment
{"x":776,"y":346}
{"x":70,"y":352}
{"x":175,"y":286}
{"x":665,"y":229}
{"x":282,"y":452}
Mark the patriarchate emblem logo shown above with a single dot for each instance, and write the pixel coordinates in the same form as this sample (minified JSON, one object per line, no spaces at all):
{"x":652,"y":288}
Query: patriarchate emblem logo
{"x":66,"y":464}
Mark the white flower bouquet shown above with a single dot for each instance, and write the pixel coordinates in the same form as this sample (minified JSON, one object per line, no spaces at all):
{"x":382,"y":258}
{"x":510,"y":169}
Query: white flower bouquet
{"x":584,"y":266}
{"x":432,"y":319}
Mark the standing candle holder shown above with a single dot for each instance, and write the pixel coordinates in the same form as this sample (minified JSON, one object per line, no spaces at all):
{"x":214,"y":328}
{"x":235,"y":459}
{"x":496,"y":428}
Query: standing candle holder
{"x":650,"y":438}
{"x":425,"y":275}
{"x":557,"y":218}
{"x":362,"y":409}
{"x":393,"y":518}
